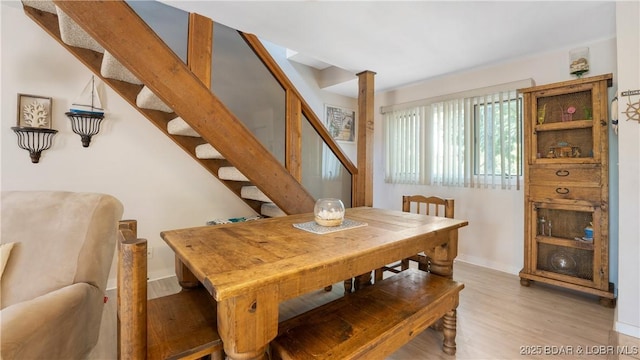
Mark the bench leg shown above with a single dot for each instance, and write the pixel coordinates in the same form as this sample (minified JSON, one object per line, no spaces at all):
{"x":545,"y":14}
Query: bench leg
{"x":348,"y":286}
{"x":449,"y":331}
{"x":378,"y":275}
{"x":361,"y":281}
{"x":357,"y":283}
{"x":438,"y":325}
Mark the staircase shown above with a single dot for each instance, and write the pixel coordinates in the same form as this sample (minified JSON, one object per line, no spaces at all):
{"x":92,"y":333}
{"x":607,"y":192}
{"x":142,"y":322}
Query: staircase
{"x":118,"y":47}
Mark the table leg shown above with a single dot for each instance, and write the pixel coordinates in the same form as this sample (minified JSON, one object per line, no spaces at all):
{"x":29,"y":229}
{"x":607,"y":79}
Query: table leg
{"x":362,"y":280}
{"x":441,"y":263}
{"x":247,"y":323}
{"x":442,"y":256}
{"x":186,"y":279}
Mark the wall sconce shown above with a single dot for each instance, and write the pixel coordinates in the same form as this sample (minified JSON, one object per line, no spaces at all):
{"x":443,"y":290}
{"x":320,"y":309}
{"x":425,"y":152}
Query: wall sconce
{"x":84,"y":124}
{"x":34,"y":140}
{"x":86,"y":113}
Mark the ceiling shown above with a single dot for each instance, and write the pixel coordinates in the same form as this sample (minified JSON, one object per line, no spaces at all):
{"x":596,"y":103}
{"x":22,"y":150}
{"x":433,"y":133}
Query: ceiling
{"x":409,"y":41}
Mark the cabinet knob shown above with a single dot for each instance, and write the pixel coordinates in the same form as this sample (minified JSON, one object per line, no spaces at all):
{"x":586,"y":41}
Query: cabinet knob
{"x":562,"y":173}
{"x":562,"y":191}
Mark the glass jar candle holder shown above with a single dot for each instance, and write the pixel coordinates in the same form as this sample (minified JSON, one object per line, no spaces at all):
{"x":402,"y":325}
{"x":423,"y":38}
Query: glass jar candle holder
{"x":328,"y":212}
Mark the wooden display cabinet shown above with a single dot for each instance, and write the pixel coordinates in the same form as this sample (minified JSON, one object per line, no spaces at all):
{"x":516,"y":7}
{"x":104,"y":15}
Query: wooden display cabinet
{"x":566,"y":178}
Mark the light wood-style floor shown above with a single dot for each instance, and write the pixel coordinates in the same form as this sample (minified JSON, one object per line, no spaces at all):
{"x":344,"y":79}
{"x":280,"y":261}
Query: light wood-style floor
{"x":497,"y":319}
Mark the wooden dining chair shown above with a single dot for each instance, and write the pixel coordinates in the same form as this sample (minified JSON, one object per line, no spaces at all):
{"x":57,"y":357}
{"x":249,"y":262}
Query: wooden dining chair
{"x":419,"y":204}
{"x":177,"y":326}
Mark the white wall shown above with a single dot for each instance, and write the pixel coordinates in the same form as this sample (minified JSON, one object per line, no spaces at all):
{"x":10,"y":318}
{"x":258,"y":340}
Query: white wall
{"x":628,"y":310}
{"x":158,"y":183}
{"x":495,"y":235}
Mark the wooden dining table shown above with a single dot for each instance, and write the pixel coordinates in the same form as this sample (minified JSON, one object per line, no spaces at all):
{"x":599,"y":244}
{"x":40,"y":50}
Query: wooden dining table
{"x":250,"y":268}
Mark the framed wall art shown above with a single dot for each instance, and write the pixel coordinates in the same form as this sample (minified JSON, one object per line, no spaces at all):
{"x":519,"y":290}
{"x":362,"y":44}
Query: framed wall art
{"x":341,"y":123}
{"x":34,"y":111}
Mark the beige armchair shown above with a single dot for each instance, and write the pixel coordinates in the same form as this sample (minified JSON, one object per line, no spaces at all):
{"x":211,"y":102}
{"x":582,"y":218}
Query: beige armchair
{"x":53,"y":284}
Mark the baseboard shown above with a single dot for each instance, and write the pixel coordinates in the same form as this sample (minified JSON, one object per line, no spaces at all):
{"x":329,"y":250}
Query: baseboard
{"x":627,"y":329}
{"x":473,"y":260}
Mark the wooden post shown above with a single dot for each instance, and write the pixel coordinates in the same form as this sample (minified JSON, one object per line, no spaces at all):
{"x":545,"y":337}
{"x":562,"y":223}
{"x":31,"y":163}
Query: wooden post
{"x":129,"y":225}
{"x":363,"y":182}
{"x":199,"y":53}
{"x":200,"y":47}
{"x":132,"y":283}
{"x":293,"y":145}
{"x":362,"y":185}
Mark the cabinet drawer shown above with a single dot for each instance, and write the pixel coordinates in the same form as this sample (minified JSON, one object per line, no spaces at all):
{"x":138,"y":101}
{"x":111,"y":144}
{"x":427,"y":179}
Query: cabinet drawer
{"x":564,"y":191}
{"x":573,"y":173}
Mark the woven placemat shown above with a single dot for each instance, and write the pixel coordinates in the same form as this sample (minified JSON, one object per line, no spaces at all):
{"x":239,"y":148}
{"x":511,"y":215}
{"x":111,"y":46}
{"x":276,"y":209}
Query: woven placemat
{"x":312,"y":227}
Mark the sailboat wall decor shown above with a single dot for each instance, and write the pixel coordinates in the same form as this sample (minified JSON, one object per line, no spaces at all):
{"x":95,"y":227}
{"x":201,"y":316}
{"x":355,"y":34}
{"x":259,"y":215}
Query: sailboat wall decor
{"x":89,"y":100}
{"x":86,"y":113}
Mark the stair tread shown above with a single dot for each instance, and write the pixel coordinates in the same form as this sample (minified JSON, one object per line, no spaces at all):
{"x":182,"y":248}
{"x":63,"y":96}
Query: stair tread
{"x":148,"y":100}
{"x":207,"y":151}
{"x":253,"y":193}
{"x":180,"y":127}
{"x":46,"y":6}
{"x":271,"y":210}
{"x":111,"y":68}
{"x":231,"y":173}
{"x":73,"y":35}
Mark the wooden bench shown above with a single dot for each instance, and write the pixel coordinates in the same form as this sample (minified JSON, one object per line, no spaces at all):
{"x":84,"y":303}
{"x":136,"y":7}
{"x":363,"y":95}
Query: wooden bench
{"x":373,"y":322}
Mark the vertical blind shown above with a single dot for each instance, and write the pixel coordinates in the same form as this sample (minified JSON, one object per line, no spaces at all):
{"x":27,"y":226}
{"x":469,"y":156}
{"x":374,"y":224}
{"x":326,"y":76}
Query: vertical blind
{"x":469,"y":141}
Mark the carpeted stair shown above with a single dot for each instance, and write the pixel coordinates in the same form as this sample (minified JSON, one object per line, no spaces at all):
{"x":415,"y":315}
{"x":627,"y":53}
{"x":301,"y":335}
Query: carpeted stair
{"x":73,"y":35}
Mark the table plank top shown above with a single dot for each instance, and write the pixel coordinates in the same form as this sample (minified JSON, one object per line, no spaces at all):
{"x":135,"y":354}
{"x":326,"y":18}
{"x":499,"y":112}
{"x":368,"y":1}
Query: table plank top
{"x":232,"y":259}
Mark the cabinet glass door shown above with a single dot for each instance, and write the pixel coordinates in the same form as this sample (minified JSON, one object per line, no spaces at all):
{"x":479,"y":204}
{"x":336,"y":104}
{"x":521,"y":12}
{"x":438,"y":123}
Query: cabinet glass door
{"x":564,"y":241}
{"x":564,"y":129}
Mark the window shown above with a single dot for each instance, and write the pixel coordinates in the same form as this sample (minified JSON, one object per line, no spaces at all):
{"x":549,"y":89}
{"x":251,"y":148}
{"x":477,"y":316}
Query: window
{"x":469,"y":141}
{"x":497,"y":152}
